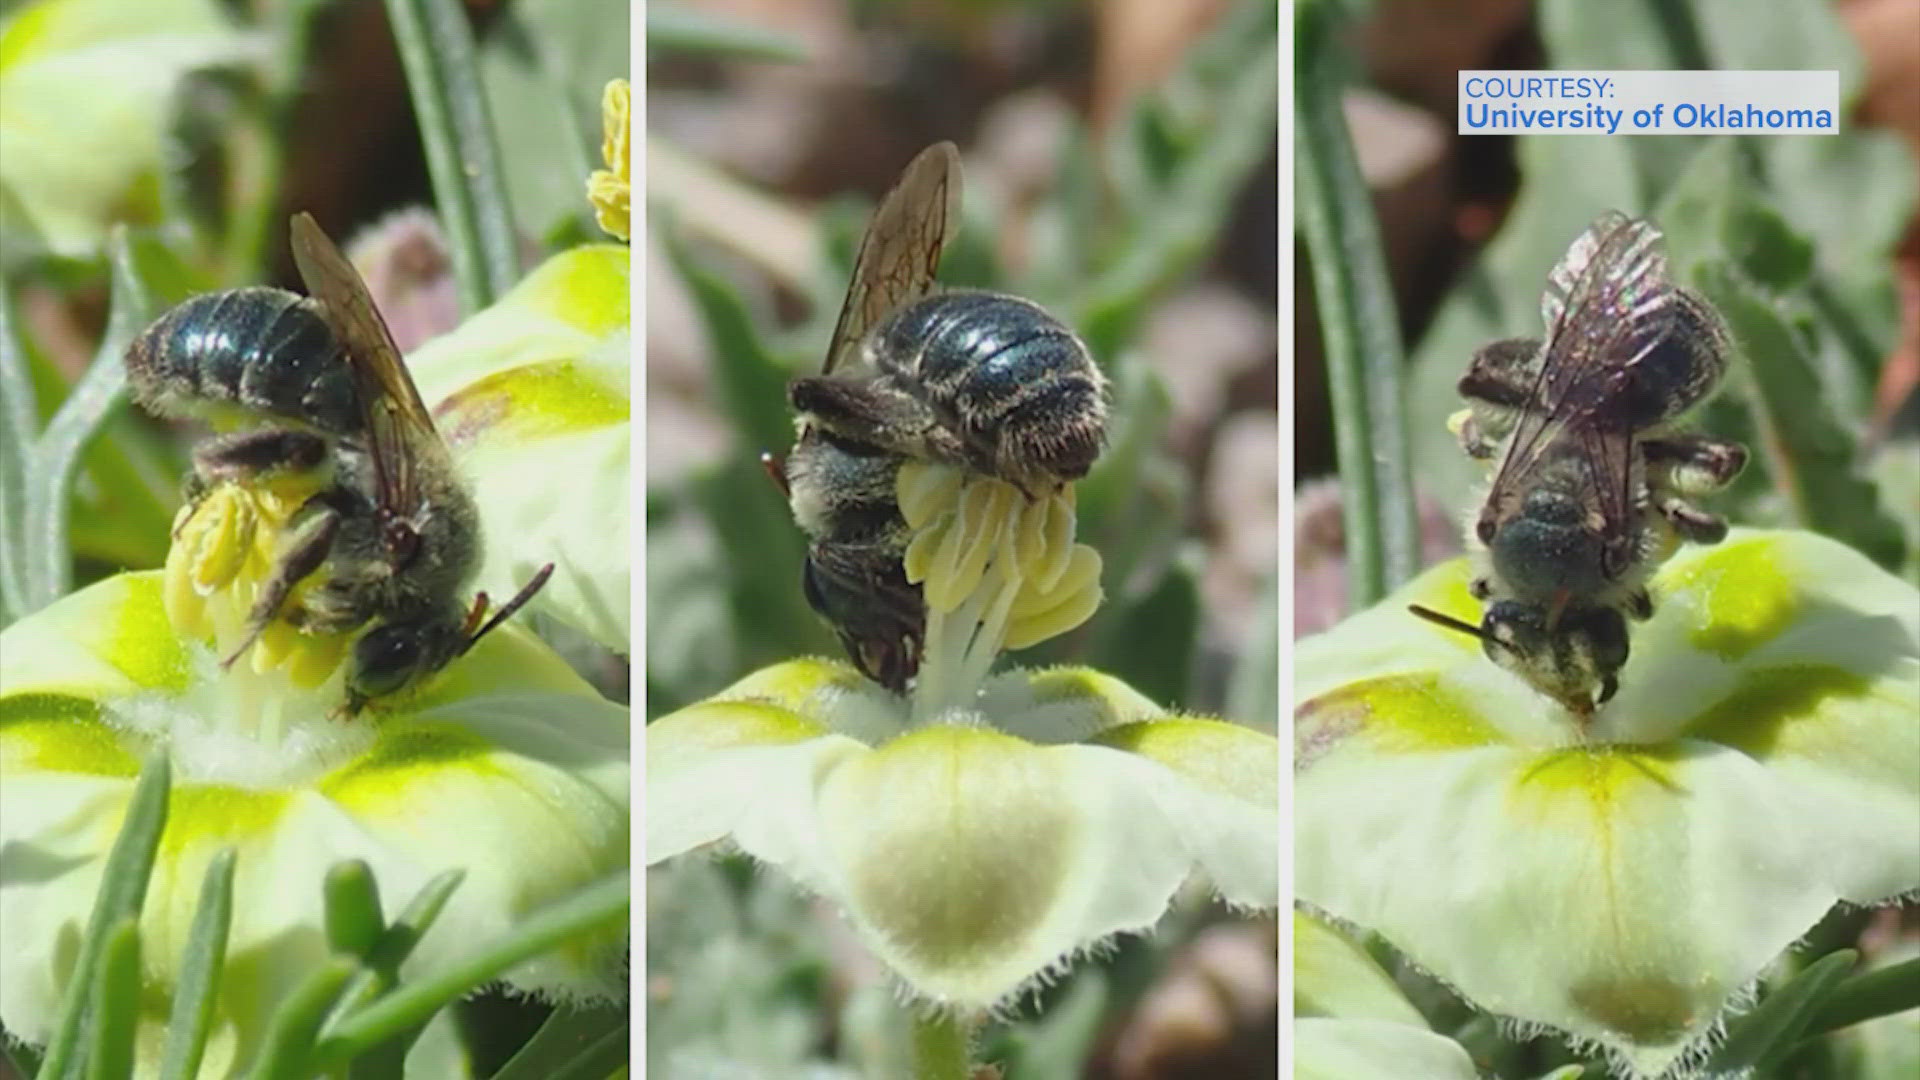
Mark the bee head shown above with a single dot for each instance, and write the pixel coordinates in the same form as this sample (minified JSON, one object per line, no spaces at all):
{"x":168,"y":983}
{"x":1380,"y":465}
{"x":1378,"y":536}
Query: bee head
{"x":1568,"y":658}
{"x":394,"y":655}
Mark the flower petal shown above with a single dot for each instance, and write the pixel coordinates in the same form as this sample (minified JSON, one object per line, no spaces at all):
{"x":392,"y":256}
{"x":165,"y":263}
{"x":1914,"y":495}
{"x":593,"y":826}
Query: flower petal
{"x":1620,"y":895}
{"x":1333,"y":977}
{"x":1326,"y":1049}
{"x":533,"y":395}
{"x":86,"y":87}
{"x":508,"y":766}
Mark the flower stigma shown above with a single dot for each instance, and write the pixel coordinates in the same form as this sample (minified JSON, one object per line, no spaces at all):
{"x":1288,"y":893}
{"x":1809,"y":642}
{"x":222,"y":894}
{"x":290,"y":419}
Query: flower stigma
{"x":998,"y":570}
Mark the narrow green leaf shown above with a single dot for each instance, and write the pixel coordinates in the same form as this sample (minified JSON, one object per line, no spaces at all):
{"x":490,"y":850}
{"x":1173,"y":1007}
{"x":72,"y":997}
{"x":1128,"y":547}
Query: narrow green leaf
{"x":116,"y":1003}
{"x":57,"y":455}
{"x":381,"y":971}
{"x":676,"y":28}
{"x":436,"y":48}
{"x":1773,"y":1026}
{"x":200,"y":967}
{"x":1357,"y":320}
{"x":572,"y":1043}
{"x":1870,"y":994}
{"x":381,"y":966}
{"x":123,"y":889}
{"x":18,"y":421}
{"x":591,"y":909}
{"x":352,"y":899}
{"x":285,"y":1052}
{"x":1811,"y":456}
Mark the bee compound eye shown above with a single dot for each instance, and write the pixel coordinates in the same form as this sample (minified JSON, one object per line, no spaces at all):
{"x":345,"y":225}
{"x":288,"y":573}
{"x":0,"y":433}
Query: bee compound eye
{"x":1484,"y":530}
{"x":385,"y":659}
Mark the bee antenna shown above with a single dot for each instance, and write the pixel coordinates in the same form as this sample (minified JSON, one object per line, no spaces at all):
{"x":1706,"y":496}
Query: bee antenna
{"x":1451,"y":623}
{"x":506,"y":611}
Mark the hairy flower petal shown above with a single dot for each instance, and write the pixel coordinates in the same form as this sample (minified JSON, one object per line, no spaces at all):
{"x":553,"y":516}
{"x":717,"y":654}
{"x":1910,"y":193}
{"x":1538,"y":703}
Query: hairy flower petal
{"x":1624,"y":882}
{"x":968,"y":859}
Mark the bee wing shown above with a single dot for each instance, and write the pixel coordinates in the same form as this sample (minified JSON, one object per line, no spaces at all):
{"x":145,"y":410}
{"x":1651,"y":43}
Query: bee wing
{"x":1609,"y":301}
{"x":399,"y":428}
{"x":902,"y":246}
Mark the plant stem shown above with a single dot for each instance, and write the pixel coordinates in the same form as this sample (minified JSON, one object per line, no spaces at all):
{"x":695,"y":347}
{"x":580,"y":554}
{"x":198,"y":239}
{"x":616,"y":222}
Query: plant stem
{"x":436,"y":48}
{"x":940,"y":1046}
{"x":1357,"y":320}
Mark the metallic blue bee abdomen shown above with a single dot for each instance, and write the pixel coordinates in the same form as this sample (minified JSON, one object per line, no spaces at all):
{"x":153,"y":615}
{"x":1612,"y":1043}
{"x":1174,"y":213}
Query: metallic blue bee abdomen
{"x":1003,"y":373}
{"x":261,"y":349}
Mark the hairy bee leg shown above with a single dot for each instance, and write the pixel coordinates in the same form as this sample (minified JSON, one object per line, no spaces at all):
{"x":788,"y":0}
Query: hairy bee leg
{"x":1692,"y":465}
{"x":1640,"y":604}
{"x":312,"y":543}
{"x":245,"y":455}
{"x":1695,"y":524}
{"x":865,"y":412}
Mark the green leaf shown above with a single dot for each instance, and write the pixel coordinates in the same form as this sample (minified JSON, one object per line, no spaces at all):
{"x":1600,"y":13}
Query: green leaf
{"x":352,"y":902}
{"x":1182,"y":226}
{"x":79,"y":419}
{"x":1253,"y":690}
{"x":1869,"y":994}
{"x":1150,"y":641}
{"x":677,"y":28}
{"x":198,"y":987}
{"x":86,"y":87}
{"x":1770,"y":1030}
{"x":284,"y":1052}
{"x":1811,"y":456}
{"x":545,"y":64}
{"x":17,"y":424}
{"x":436,"y":48}
{"x":752,"y":385}
{"x":591,"y":909}
{"x":575,"y":1044}
{"x":1056,"y":1044}
{"x":116,"y":1003}
{"x":380,"y":971}
{"x":1357,"y":321}
{"x":123,"y":889}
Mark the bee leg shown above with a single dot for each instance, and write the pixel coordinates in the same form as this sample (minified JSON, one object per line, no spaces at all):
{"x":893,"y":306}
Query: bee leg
{"x":864,"y":412}
{"x":1694,"y":524}
{"x":1481,"y":588}
{"x":312,"y":543}
{"x":1692,"y":465}
{"x":1640,"y":604}
{"x":244,"y":455}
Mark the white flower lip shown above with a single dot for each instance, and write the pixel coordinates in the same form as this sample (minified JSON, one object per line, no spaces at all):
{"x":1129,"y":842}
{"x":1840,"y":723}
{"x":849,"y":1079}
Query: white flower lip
{"x":971,"y":861}
{"x":533,"y":396}
{"x":507,"y":766}
{"x":1760,"y":764}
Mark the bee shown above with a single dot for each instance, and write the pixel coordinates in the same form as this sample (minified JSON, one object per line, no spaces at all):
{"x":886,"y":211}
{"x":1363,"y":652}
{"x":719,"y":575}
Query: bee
{"x":985,"y":381}
{"x":317,"y":384}
{"x":1596,"y":483}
